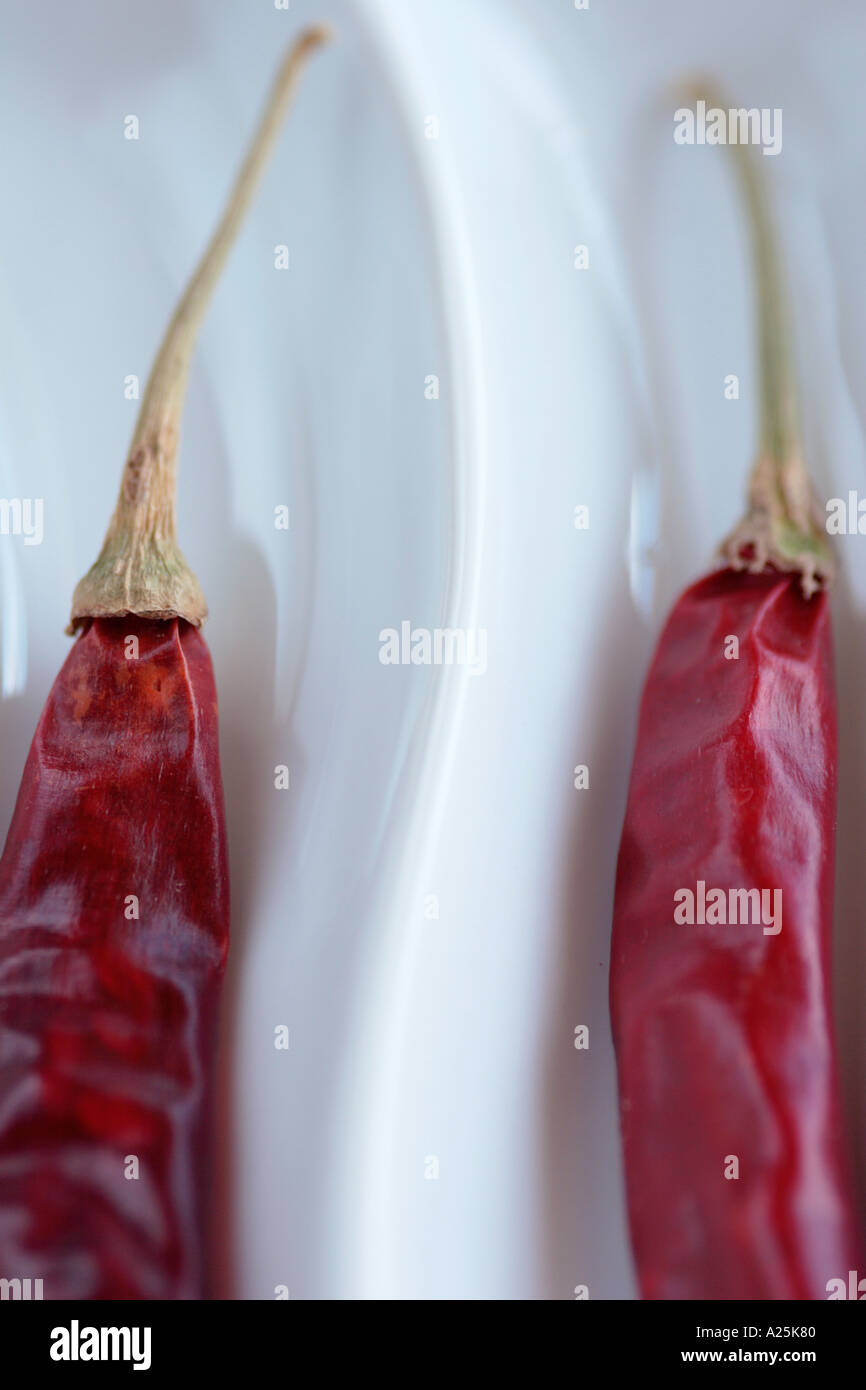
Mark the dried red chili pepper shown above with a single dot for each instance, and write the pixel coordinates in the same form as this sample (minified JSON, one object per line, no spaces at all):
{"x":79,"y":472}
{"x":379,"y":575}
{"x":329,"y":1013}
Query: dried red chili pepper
{"x":724,"y":1032}
{"x":114,"y":907}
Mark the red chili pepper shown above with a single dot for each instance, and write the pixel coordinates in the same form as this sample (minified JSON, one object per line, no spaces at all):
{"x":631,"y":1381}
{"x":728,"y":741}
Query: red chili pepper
{"x":114,"y":911}
{"x":736,"y":1168}
{"x":114,"y":905}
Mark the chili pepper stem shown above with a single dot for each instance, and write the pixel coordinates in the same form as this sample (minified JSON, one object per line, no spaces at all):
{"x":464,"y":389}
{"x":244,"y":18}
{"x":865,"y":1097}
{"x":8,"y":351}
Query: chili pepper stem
{"x":140,"y":569}
{"x":783,"y":526}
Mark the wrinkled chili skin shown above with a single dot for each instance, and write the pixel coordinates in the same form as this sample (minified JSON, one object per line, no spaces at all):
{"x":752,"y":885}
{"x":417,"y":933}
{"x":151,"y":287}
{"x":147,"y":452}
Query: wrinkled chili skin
{"x":106,"y":1022}
{"x":724,"y":1034}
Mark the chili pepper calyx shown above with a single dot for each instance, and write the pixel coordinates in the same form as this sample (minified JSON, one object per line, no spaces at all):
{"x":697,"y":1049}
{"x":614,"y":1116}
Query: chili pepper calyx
{"x":782,"y":527}
{"x":145,"y":578}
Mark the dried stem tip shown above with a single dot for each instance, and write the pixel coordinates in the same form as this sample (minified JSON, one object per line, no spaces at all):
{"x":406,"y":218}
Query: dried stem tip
{"x":783,"y":525}
{"x":140,"y":568}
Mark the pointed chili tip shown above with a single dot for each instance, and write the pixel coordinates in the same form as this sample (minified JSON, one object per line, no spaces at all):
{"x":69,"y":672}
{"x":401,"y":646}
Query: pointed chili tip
{"x":316,"y":34}
{"x":698,"y":87}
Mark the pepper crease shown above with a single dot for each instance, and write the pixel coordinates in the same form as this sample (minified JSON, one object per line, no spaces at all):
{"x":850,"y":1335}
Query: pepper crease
{"x":736,"y":1174}
{"x":114,"y":916}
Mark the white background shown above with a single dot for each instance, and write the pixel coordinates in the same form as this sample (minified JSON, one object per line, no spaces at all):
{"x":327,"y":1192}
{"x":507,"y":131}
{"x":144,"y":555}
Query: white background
{"x":413,"y":1038}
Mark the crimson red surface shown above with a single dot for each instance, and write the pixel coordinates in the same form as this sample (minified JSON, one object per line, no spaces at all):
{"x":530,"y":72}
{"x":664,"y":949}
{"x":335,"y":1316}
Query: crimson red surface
{"x":106,"y":1021}
{"x":724,"y":1034}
